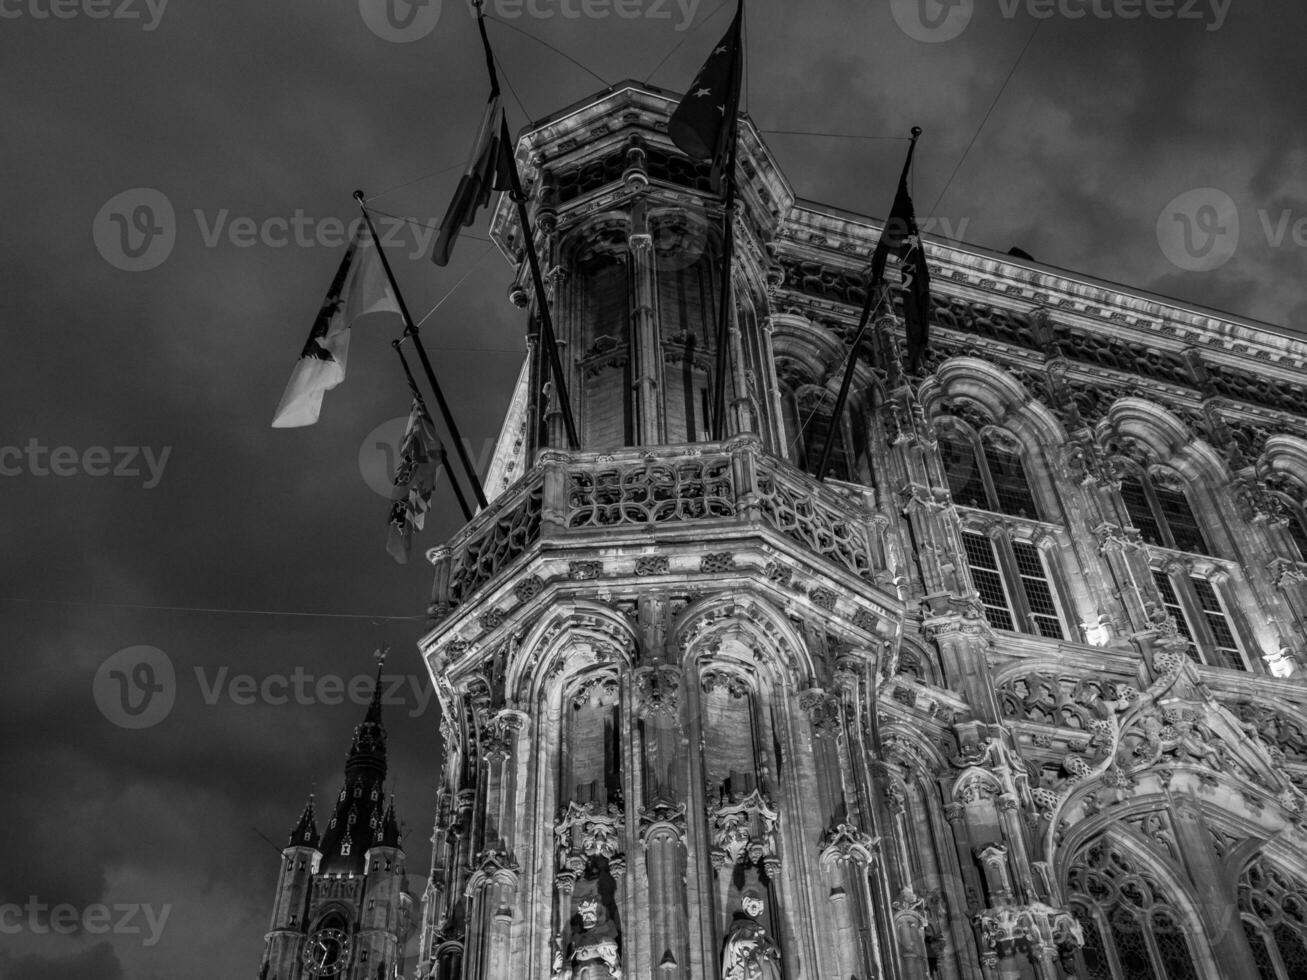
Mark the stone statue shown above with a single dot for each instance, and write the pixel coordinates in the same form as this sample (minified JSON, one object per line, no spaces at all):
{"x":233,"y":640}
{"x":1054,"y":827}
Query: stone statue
{"x":593,"y":951}
{"x":749,"y":953}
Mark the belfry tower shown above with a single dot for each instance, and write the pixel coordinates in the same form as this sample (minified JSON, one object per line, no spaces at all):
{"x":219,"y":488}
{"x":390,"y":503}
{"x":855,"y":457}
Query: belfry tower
{"x":1015,"y":695}
{"x":655,"y":654}
{"x":342,"y":908}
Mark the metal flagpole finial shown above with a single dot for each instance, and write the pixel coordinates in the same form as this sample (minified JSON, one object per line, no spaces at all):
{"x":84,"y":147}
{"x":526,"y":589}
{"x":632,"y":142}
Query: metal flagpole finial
{"x":358,"y":196}
{"x":380,"y":655}
{"x":916,"y":131}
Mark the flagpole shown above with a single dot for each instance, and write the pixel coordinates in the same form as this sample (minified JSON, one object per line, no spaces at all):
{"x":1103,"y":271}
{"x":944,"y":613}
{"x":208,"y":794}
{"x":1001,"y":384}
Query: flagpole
{"x":873,"y":290}
{"x":413,"y":387}
{"x":724,"y":301}
{"x":542,"y":299}
{"x":722,"y":364}
{"x":411,"y":330}
{"x":537,"y":279}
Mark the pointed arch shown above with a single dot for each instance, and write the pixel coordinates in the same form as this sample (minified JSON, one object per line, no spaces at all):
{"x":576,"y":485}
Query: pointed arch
{"x":749,"y":631}
{"x":1273,"y":912}
{"x":1140,"y":919}
{"x":568,"y":639}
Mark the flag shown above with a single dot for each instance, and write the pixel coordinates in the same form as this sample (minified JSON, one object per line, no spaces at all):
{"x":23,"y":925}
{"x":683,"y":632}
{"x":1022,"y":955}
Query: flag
{"x":901,"y":237}
{"x":421,"y":456}
{"x":703,"y":125}
{"x":475,"y":186}
{"x":360,"y":287}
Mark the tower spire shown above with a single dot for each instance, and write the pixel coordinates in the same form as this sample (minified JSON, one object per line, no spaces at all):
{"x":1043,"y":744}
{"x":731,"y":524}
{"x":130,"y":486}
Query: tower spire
{"x":348,"y":833}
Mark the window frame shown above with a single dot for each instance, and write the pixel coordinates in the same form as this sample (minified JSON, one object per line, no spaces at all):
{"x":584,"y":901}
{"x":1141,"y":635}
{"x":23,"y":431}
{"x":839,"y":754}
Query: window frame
{"x":954,"y":429}
{"x":1002,"y":537}
{"x":1163,"y":902}
{"x":1204,"y":648}
{"x":1261,"y":928}
{"x":1146,"y":479}
{"x":1294,"y":545}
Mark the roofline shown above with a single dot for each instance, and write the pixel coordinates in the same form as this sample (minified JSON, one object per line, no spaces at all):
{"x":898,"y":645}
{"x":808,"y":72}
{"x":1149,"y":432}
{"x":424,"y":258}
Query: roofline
{"x":1071,"y":276}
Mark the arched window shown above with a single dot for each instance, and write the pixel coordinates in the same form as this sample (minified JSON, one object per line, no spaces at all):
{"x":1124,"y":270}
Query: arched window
{"x":985,"y":471}
{"x":1159,"y":509}
{"x":1291,"y":494}
{"x":1133,"y":930}
{"x":1273,"y":907}
{"x":806,"y":411}
{"x":1297,"y":526}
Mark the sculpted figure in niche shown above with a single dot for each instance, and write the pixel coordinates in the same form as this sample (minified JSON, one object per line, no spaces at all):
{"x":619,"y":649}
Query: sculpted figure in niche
{"x":749,"y":953}
{"x":593,"y":954}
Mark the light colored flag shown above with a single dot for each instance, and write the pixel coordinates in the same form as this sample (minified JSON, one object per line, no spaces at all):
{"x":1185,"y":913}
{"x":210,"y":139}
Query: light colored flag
{"x":360,"y":287}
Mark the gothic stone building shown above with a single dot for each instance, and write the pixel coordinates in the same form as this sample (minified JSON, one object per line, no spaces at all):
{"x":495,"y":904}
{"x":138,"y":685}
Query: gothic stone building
{"x":342,"y":907}
{"x":1016,"y":694}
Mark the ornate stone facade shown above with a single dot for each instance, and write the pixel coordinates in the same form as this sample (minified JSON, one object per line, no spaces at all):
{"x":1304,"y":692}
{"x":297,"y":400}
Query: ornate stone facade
{"x":1018,"y":694}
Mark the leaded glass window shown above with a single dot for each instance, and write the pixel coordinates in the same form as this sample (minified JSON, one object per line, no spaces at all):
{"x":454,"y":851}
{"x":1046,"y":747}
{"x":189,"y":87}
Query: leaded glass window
{"x":989,"y":580}
{"x":1039,"y":594}
{"x":1201,"y":619}
{"x":1159,"y":509}
{"x":1274,"y":908}
{"x":1171,"y":602}
{"x":1227,"y":648}
{"x":1011,"y":487}
{"x":1138,"y":933}
{"x":1015,"y":589}
{"x":986,"y":472}
{"x":962,"y":470}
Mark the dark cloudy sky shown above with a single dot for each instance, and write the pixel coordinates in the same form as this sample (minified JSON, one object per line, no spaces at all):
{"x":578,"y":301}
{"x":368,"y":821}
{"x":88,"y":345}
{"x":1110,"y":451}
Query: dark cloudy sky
{"x":252,"y":553}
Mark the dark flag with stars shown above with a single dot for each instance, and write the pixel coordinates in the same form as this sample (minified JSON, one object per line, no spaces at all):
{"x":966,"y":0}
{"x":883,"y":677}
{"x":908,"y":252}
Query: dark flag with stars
{"x":421,"y":455}
{"x":901,"y":237}
{"x":703,"y":125}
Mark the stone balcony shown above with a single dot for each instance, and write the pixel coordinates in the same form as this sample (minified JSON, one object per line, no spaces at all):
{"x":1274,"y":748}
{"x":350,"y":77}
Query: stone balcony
{"x":706,"y":511}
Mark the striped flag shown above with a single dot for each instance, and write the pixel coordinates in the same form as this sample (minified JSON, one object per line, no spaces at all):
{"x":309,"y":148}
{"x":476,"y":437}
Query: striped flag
{"x":421,"y":455}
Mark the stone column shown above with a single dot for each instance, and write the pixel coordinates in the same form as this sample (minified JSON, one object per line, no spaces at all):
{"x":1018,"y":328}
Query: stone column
{"x":646,"y":346}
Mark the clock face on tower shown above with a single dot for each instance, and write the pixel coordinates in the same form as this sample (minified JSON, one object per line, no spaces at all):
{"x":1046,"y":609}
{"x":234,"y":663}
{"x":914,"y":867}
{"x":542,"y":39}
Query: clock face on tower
{"x":326,"y":953}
